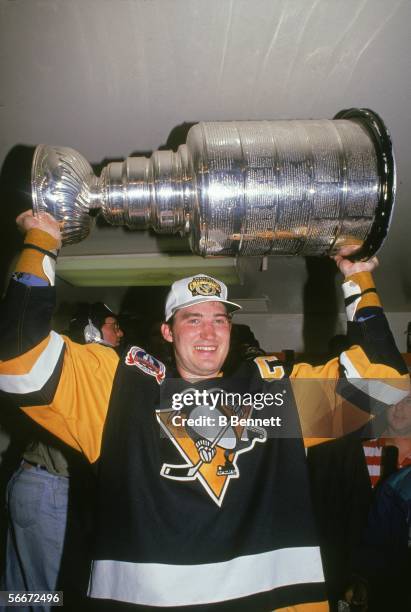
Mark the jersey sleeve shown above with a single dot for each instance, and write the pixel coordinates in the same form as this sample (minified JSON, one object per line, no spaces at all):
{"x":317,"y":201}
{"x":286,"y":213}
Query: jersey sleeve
{"x":62,"y":385}
{"x":65,"y":387}
{"x":344,"y":394}
{"x":27,"y":308}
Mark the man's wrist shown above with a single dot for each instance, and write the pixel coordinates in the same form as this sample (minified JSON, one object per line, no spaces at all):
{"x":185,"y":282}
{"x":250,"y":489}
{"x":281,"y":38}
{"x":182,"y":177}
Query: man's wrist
{"x":363,"y":279}
{"x":359,"y":292}
{"x":39,"y":255}
{"x":42,"y":239}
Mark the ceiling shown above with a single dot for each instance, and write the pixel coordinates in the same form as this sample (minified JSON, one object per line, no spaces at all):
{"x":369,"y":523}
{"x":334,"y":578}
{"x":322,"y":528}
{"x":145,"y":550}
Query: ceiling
{"x":112,"y":78}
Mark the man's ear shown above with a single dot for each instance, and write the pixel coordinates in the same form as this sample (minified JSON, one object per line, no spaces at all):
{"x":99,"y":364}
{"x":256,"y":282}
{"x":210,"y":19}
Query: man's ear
{"x":166,"y":332}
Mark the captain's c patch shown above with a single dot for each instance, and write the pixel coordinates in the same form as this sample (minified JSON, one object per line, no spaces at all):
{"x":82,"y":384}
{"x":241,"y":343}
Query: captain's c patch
{"x":269,"y":367}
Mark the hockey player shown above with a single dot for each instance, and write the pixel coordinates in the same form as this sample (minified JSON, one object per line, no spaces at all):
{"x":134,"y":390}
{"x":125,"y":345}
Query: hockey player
{"x":240,"y":539}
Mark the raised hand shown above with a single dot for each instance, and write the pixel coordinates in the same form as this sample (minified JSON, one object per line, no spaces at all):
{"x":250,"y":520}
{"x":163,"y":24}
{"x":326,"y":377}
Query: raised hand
{"x":348,"y":267}
{"x":45,"y":222}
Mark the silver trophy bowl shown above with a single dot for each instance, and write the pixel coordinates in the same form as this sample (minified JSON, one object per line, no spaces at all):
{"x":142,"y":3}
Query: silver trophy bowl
{"x":306,"y":187}
{"x":61,"y":183}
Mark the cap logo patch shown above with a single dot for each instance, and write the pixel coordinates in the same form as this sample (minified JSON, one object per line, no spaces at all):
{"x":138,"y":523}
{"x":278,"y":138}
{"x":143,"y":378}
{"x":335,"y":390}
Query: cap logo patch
{"x":205,"y":286}
{"x":148,"y":364}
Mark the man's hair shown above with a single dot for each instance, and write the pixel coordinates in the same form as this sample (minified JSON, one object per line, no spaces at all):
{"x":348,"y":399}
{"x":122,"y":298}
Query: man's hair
{"x":171,"y":320}
{"x":86,"y":314}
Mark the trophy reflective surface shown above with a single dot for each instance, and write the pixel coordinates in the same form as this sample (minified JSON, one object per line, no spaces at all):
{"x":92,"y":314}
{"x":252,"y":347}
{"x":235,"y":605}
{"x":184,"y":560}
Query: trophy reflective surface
{"x":61,"y":182}
{"x":303,"y":187}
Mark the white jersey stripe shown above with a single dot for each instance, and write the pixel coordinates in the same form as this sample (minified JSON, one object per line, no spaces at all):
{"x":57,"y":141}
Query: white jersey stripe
{"x":349,"y":289}
{"x":374,"y":470}
{"x":372,"y":451}
{"x":377,"y":389}
{"x":156,"y":584}
{"x":39,"y":374}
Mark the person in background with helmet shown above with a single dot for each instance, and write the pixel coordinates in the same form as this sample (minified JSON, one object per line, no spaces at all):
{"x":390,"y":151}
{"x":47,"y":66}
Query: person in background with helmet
{"x":50,"y":496}
{"x":95,"y":323}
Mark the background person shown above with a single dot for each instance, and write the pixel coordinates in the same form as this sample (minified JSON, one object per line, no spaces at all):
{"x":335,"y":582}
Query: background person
{"x":398,"y":435}
{"x":50,"y":497}
{"x":382,"y":563}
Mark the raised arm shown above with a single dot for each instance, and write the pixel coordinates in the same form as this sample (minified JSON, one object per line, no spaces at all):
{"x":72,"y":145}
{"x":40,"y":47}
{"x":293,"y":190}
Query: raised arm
{"x":63,"y":386}
{"x":370,"y":375}
{"x":25,"y":313}
{"x":338,"y":397}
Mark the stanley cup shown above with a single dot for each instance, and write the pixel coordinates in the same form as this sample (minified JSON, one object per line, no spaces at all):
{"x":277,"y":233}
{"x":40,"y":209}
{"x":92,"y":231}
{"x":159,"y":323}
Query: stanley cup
{"x":304,"y":187}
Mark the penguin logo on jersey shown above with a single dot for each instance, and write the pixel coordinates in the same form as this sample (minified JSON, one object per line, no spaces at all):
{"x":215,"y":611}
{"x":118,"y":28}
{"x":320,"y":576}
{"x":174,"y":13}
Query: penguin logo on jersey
{"x":209,"y":444}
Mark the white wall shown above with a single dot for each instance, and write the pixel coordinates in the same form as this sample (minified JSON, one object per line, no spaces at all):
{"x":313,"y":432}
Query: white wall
{"x":276,"y":332}
{"x":115,"y":77}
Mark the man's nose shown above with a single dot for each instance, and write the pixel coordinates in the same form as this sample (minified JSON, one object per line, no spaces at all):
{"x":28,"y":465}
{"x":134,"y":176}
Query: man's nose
{"x":120,"y":333}
{"x":207,"y":329}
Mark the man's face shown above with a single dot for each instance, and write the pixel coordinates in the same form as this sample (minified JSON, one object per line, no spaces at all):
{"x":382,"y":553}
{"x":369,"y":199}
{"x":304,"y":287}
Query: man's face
{"x":399,"y":418}
{"x":201,"y":338}
{"x":112,"y":333}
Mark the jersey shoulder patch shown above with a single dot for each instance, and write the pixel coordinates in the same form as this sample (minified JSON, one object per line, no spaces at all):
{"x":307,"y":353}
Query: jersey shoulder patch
{"x":145,"y":362}
{"x":269,"y":367}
